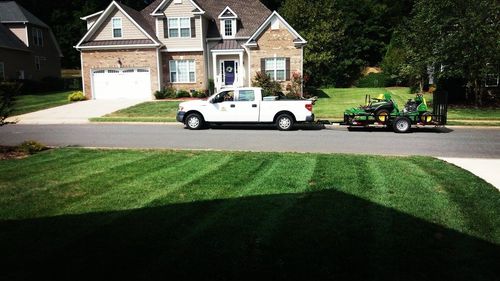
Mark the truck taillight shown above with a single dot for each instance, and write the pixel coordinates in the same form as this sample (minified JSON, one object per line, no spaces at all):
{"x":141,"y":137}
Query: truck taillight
{"x":309,"y":107}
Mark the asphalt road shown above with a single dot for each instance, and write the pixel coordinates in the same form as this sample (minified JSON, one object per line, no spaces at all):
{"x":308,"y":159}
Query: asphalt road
{"x":443,"y":142}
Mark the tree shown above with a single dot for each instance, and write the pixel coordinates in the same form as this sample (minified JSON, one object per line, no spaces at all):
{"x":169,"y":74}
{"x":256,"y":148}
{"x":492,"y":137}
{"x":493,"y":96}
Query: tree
{"x":459,"y":38}
{"x":320,"y":23}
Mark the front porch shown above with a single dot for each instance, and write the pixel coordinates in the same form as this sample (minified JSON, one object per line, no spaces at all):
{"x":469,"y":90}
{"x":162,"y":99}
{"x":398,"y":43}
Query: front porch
{"x":228,"y":69}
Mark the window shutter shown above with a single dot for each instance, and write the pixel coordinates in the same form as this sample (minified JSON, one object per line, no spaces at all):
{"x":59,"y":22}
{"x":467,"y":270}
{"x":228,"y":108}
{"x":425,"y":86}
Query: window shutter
{"x":165,"y":28}
{"x":287,"y":69}
{"x":263,"y":66}
{"x":193,"y":27}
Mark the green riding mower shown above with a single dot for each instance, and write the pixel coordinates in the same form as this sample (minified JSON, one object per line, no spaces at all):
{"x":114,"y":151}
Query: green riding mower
{"x":384,"y":111}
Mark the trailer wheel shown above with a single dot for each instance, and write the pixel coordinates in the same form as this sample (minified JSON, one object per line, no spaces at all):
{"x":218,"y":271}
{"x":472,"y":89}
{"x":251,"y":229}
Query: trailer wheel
{"x":284,"y":122}
{"x":382,"y":116}
{"x":402,"y":125}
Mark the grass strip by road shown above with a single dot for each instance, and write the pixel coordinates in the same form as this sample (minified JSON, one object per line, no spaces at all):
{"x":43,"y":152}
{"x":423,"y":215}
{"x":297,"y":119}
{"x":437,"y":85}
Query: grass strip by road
{"x":146,"y":214}
{"x":31,"y":103}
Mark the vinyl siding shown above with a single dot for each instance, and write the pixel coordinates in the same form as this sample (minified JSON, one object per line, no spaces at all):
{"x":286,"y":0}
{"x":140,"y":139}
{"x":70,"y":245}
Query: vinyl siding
{"x":129,"y":30}
{"x":181,"y":10}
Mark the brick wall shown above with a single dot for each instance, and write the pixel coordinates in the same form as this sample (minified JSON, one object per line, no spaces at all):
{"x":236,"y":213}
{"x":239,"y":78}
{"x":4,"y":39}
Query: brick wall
{"x":277,"y":43}
{"x":105,"y":59}
{"x":201,"y":79}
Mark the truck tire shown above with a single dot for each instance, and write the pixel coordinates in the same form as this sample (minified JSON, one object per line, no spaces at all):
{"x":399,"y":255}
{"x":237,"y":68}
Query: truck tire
{"x":284,"y":122}
{"x":194,"y":121}
{"x":402,"y":125}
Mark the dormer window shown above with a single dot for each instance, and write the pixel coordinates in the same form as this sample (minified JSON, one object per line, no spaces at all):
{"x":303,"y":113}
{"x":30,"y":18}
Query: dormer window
{"x":228,"y":28}
{"x":228,"y":23}
{"x":117,"y":27}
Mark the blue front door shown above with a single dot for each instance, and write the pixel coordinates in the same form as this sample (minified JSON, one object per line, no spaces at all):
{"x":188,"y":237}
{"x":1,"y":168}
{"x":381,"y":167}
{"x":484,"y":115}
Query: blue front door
{"x":229,"y":72}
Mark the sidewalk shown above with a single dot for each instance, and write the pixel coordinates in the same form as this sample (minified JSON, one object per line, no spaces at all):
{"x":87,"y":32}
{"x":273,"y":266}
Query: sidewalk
{"x":74,"y":113}
{"x":487,"y":169}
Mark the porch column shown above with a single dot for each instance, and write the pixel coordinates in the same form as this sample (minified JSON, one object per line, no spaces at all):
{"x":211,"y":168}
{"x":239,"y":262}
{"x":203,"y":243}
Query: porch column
{"x":214,"y":73}
{"x":241,"y":71}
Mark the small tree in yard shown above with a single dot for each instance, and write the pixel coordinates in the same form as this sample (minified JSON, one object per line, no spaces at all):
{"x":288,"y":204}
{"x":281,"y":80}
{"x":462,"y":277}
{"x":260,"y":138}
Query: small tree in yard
{"x":8,"y":91}
{"x":268,"y":85}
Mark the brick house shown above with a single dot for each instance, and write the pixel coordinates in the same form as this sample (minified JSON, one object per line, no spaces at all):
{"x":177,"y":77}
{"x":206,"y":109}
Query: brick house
{"x":28,"y":48}
{"x":184,"y":43}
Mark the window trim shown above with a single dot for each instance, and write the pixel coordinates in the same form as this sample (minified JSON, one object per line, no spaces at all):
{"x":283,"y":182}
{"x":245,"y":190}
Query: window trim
{"x":179,"y":28}
{"x":177,"y":71}
{"x":2,"y":67}
{"x":275,"y":68}
{"x":113,"y":27}
{"x":223,"y":28}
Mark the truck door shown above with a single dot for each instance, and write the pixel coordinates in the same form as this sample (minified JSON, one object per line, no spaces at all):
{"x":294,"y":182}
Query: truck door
{"x":246,"y":108}
{"x":222,"y":108}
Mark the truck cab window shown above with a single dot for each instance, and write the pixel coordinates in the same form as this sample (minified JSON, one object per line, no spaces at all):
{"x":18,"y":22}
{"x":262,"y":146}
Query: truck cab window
{"x":246,"y":95}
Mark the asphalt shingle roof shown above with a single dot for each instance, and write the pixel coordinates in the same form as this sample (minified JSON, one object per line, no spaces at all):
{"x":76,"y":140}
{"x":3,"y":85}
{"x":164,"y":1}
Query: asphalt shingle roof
{"x":10,"y":11}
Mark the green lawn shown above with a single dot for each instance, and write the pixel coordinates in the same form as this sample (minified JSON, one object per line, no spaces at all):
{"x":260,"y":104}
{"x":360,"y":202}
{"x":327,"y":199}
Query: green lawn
{"x":161,"y":111}
{"x":77,"y":213}
{"x":30,"y":103}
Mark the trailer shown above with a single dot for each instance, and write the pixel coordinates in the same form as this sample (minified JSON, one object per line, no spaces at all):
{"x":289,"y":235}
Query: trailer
{"x":384,"y":111}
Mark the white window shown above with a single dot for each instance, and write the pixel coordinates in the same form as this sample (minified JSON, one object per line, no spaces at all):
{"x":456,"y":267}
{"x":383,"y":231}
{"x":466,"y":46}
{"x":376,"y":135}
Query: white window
{"x":37,"y":37}
{"x":228,"y":28}
{"x":37,"y":63}
{"x":276,"y":68}
{"x":179,"y":27}
{"x":182,"y":71}
{"x":2,"y":71}
{"x":117,"y":27}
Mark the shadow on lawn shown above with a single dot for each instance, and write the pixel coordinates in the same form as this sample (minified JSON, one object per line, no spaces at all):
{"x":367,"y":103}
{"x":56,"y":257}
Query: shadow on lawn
{"x":311,"y":236}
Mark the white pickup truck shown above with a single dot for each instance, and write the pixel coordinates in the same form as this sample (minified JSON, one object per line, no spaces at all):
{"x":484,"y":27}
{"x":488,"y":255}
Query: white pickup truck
{"x":245,"y":105}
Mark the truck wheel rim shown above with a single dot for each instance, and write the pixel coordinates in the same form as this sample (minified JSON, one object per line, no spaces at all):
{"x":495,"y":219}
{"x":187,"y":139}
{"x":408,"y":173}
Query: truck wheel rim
{"x":284,"y":123}
{"x":402,"y":125}
{"x":193,"y":122}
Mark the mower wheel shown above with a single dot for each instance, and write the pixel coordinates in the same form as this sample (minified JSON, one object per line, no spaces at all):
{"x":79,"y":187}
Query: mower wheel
{"x":402,"y":125}
{"x":382,"y":116}
{"x":426,"y":117}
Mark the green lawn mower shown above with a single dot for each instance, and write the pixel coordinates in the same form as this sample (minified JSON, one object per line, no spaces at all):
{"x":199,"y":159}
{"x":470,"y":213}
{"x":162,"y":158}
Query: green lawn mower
{"x":384,"y":111}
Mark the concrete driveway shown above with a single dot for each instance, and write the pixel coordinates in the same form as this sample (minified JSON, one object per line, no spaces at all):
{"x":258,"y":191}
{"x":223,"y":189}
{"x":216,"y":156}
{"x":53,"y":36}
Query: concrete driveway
{"x":74,"y":113}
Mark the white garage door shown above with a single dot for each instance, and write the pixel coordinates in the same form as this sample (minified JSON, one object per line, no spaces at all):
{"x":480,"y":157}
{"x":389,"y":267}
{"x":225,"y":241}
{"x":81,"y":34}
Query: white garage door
{"x":122,"y":84}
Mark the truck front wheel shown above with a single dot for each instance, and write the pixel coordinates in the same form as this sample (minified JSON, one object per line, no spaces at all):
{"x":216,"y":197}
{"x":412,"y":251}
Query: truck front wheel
{"x":284,"y":122}
{"x":194,"y":121}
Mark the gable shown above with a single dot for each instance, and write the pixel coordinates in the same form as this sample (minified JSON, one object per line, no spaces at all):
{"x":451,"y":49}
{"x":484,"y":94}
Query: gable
{"x":171,"y":7}
{"x":129,"y":29}
{"x":281,"y":29}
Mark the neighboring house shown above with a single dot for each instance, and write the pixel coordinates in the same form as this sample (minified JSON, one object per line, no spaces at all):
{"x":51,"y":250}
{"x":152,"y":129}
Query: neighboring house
{"x":183,"y":44}
{"x":28,"y":48}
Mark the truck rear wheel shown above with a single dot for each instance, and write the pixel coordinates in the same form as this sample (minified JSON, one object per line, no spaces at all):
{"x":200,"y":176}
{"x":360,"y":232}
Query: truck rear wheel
{"x":402,"y":125}
{"x":284,"y":122}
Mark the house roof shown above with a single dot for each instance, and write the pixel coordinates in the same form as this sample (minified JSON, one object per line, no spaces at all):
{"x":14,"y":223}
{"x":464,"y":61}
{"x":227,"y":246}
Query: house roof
{"x":10,"y":41}
{"x":139,"y":19}
{"x":117,"y":42}
{"x":228,"y":45}
{"x":251,"y":14}
{"x":10,"y":11}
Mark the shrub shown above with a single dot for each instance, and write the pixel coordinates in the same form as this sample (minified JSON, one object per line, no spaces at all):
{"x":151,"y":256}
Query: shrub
{"x":76,"y":96}
{"x":375,"y":80}
{"x":269,"y":86}
{"x":195,"y":94}
{"x":8,"y":92}
{"x":182,"y":94}
{"x":211,"y":87}
{"x":159,"y":95}
{"x":166,"y":92}
{"x":31,"y":147}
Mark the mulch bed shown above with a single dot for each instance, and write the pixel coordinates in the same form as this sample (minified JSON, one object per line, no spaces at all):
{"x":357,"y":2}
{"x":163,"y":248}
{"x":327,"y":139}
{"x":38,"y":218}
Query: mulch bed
{"x":12,"y":152}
